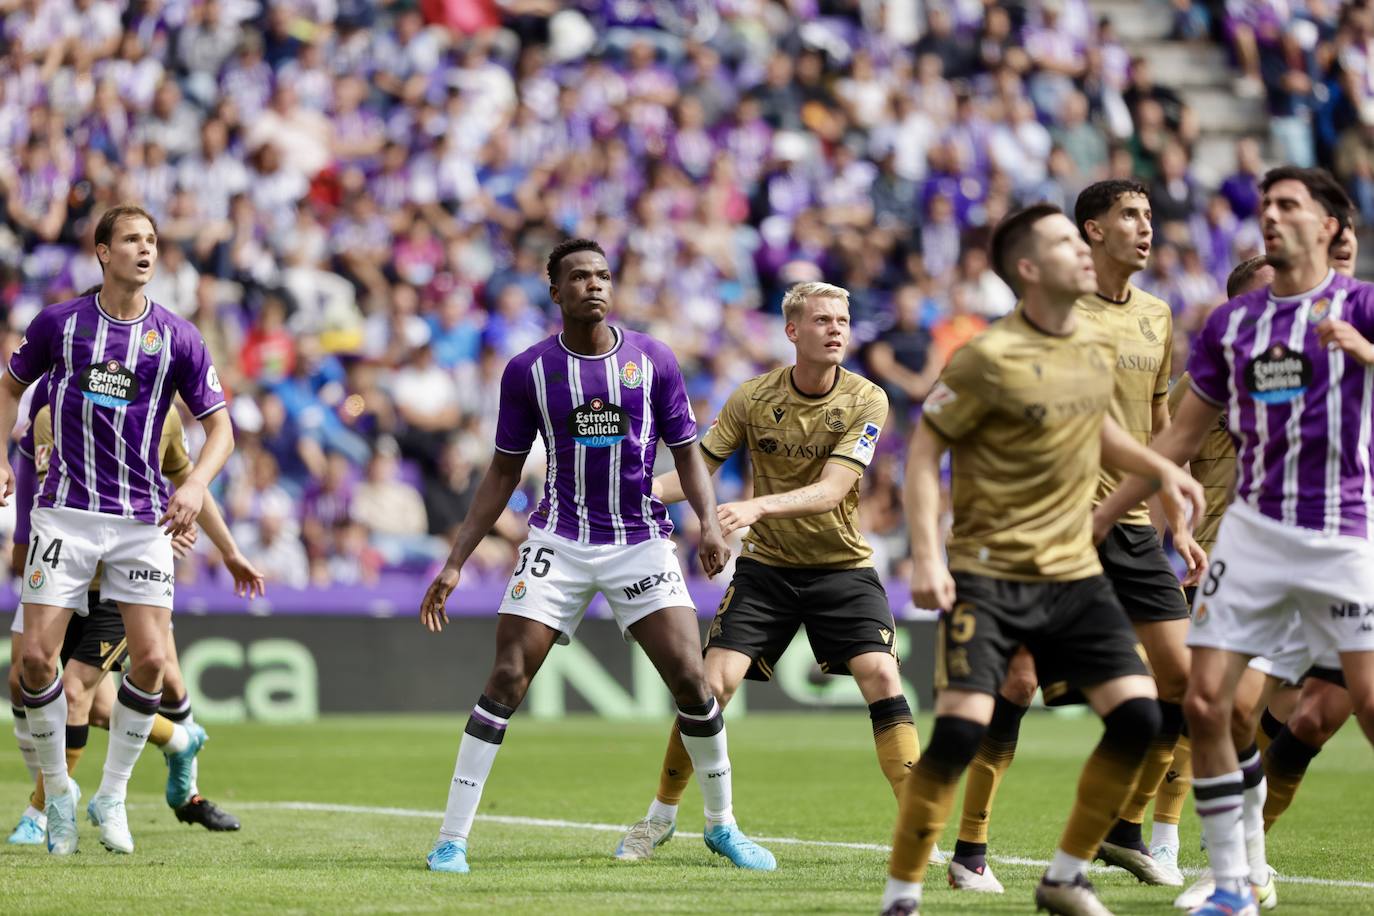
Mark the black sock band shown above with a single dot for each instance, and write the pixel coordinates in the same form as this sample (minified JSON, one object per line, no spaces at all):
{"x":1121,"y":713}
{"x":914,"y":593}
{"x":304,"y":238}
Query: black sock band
{"x":77,"y":735}
{"x":953,"y":742}
{"x":888,"y":713}
{"x":35,"y":699}
{"x":18,"y":712}
{"x":963,"y":849}
{"x":488,"y":721}
{"x":1170,"y":721}
{"x":1130,"y":727}
{"x":1289,"y":754}
{"x":177,"y":709}
{"x":1269,"y":725}
{"x":1005,"y":726}
{"x":702,"y":720}
{"x":500,"y":710}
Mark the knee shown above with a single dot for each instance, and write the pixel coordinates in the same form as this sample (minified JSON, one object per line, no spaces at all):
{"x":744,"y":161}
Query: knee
{"x":1019,"y":686}
{"x":1172,"y":686}
{"x":1205,"y":713}
{"x":75,"y":691}
{"x":508,"y":682}
{"x":1362,"y":705}
{"x":38,"y":669}
{"x":1244,"y":721}
{"x":720,"y":686}
{"x":953,"y":742}
{"x":99,"y":718}
{"x":1132,"y":725}
{"x":147,"y":670}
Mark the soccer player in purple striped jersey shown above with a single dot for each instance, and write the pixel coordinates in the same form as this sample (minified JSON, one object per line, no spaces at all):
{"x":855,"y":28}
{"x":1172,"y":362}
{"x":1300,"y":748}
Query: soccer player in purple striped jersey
{"x":116,"y":358}
{"x":602,"y":398}
{"x":1292,"y":367}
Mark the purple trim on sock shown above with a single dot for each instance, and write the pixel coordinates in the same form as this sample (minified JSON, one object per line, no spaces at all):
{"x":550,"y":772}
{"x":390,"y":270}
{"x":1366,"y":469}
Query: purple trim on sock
{"x":138,"y":701}
{"x":46,"y":696}
{"x":1221,"y":810}
{"x":478,"y":713}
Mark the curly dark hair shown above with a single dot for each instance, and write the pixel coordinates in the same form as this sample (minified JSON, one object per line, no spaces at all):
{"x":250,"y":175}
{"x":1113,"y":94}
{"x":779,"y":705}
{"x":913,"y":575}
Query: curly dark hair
{"x":1097,"y":198}
{"x":565,"y":248}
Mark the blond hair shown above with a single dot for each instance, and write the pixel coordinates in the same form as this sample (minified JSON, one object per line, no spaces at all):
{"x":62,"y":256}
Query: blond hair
{"x":794,"y":302}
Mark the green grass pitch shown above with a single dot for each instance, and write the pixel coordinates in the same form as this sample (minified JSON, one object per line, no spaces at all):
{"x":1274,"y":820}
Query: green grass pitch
{"x":809,"y":777}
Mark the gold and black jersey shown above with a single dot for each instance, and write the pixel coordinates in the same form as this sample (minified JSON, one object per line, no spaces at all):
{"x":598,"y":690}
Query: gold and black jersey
{"x":1214,"y":466}
{"x":1023,"y":413}
{"x":1143,"y":327}
{"x":791,"y":438}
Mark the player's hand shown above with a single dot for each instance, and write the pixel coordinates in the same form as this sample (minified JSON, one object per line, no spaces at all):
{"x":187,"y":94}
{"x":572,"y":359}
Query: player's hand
{"x":932,"y":587}
{"x":1193,"y":555}
{"x":248,"y":582}
{"x":712,"y":551}
{"x":6,"y":482}
{"x":183,"y":543}
{"x":184,"y":508}
{"x":1183,"y":500}
{"x":432,"y":609}
{"x":734,"y":516}
{"x":1335,"y":334}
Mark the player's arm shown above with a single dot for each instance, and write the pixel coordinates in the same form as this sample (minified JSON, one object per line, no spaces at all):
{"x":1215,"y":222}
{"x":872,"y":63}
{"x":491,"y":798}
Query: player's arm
{"x":668,"y":486}
{"x":248,"y":581}
{"x":723,"y":437}
{"x":493,"y":493}
{"x":695,"y":480}
{"x":812,"y":499}
{"x":11,"y":389}
{"x":185,"y":506}
{"x":932,"y":586}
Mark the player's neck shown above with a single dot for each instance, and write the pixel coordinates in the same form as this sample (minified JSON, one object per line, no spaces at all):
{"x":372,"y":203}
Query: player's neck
{"x":1113,"y":279}
{"x":1300,"y":277}
{"x":1048,"y":315}
{"x":589,"y":339}
{"x":814,"y":380}
{"x":121,"y":301}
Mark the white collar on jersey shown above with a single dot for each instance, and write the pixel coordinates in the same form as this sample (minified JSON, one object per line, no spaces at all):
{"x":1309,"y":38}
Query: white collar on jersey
{"x":1326,"y":281}
{"x":147,"y":307}
{"x":619,"y":339}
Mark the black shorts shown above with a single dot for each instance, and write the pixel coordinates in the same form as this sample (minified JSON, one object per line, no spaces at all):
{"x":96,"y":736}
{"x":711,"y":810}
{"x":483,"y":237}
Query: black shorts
{"x":1330,"y":675}
{"x":1133,"y":561}
{"x":845,"y":612}
{"x":98,"y":638}
{"x":1076,"y":631}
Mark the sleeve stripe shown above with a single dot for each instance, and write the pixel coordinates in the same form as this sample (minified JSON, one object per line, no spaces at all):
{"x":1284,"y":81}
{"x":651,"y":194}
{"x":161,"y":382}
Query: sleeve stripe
{"x":506,"y":451}
{"x":1192,"y":383}
{"x":712,"y":455}
{"x":926,"y":418}
{"x":202,"y":416}
{"x":21,"y":450}
{"x":17,"y":377}
{"x":683,"y":442}
{"x":847,"y":460}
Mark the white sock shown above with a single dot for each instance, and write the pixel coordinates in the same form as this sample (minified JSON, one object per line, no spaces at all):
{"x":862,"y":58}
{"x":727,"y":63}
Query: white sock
{"x":25,"y":742}
{"x":180,"y":740}
{"x":664,"y":812}
{"x":482,"y":738}
{"x":38,"y":816}
{"x":131,"y":721}
{"x":47,"y":714}
{"x":1064,"y":867}
{"x":1162,"y":834}
{"x":1252,"y":818}
{"x":900,"y":890}
{"x":1220,"y":800}
{"x":703,"y":735}
{"x":195,"y":775}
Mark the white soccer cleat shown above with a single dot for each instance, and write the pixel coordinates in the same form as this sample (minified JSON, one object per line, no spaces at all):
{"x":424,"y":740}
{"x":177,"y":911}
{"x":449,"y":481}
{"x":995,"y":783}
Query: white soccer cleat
{"x":1268,"y":893}
{"x":643,"y":838}
{"x":936,"y":856}
{"x":1166,"y":862}
{"x":983,"y":881}
{"x":1138,"y":862}
{"x":1198,"y":892}
{"x":109,"y":815}
{"x":61,"y":812}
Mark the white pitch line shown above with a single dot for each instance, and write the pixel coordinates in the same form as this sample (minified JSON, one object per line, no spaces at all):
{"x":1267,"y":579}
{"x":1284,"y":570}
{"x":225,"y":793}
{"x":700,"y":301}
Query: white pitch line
{"x":513,"y":821}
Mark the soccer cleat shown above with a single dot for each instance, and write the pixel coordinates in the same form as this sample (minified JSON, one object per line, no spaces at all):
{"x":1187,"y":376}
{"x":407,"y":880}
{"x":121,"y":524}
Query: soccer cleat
{"x":179,"y":767}
{"x":963,"y":878}
{"x":450,"y":856}
{"x":61,"y":812}
{"x":1069,"y":898}
{"x":1166,"y":860}
{"x":1268,"y":893}
{"x":1197,"y":892}
{"x":200,"y":810}
{"x":729,"y":841}
{"x":936,"y":857}
{"x":28,"y":832}
{"x":644,"y":837}
{"x":1226,"y":903}
{"x":1137,"y":861}
{"x":904,"y":907}
{"x":109,"y":815}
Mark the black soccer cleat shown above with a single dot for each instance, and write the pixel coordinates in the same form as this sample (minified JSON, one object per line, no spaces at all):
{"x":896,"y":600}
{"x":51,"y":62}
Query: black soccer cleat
{"x":200,"y":810}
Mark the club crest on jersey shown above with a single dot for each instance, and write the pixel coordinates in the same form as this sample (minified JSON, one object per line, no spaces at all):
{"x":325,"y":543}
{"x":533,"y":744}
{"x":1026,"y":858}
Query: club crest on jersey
{"x":151,"y":343}
{"x":1320,"y":309}
{"x":598,"y":424}
{"x":630,"y":376}
{"x":834,"y":420}
{"x":1278,"y":375}
{"x":36,"y":579}
{"x":108,"y":384}
{"x":519,"y":590}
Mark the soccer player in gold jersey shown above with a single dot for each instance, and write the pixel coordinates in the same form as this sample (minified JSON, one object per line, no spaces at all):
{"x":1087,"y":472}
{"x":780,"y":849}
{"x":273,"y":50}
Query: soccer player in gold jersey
{"x":1114,"y":219}
{"x":1024,"y":409}
{"x":811,"y":429}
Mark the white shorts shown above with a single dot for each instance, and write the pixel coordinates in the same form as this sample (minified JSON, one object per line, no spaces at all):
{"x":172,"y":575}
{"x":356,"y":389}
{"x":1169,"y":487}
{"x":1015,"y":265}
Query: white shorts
{"x":68,"y":544}
{"x":1288,"y":594}
{"x":555,"y":578}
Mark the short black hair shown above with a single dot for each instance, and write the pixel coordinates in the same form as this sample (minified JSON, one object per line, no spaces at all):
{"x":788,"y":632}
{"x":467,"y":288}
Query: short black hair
{"x":1098,"y":197}
{"x":1010,"y":237}
{"x":1243,"y":273}
{"x":1321,"y":184}
{"x":565,"y":248}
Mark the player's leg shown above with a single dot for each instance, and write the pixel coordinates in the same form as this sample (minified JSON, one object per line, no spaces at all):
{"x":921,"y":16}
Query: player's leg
{"x":1323,"y":707}
{"x":895,"y":740}
{"x":1358,"y":667}
{"x":669,"y":637}
{"x":193,"y":808}
{"x":33,"y":823}
{"x":46,"y":711}
{"x":968,"y":868}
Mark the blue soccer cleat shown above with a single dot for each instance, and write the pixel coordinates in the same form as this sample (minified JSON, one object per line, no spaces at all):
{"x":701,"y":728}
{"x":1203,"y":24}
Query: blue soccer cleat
{"x":179,"y":767}
{"x":1228,"y":903}
{"x":729,"y":841}
{"x":61,"y":812}
{"x":450,"y":856}
{"x":28,"y":832}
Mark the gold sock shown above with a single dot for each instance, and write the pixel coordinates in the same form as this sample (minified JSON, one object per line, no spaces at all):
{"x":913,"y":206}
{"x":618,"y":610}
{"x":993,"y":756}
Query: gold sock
{"x":1285,"y":764}
{"x":74,"y":757}
{"x":1158,"y":756}
{"x":980,"y":789}
{"x":676,"y":772}
{"x":1106,"y":783}
{"x":922,"y":810}
{"x":163,"y":729}
{"x":895,"y":738}
{"x":1178,"y":780}
{"x":39,"y":796}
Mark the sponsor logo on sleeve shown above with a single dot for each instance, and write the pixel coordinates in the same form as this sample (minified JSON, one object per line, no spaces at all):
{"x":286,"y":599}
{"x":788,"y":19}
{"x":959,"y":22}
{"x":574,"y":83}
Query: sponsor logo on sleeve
{"x":212,"y":380}
{"x":867,"y":444}
{"x":940,"y":397}
{"x":108,"y":384}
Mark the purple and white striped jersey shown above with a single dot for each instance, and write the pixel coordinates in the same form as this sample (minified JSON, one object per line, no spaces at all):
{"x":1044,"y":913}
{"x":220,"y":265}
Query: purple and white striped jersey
{"x":601,"y":418}
{"x":1300,"y":414}
{"x":110,"y":386}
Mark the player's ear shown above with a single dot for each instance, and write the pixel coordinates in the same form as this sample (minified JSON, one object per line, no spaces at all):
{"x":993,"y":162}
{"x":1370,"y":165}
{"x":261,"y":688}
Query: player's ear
{"x":1028,"y":271}
{"x":790,"y":329}
{"x":1092,"y":232}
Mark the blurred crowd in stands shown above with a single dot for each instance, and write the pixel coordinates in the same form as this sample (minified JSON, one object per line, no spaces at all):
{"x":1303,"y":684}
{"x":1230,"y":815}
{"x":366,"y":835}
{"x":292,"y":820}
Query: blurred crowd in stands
{"x":355,"y":201}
